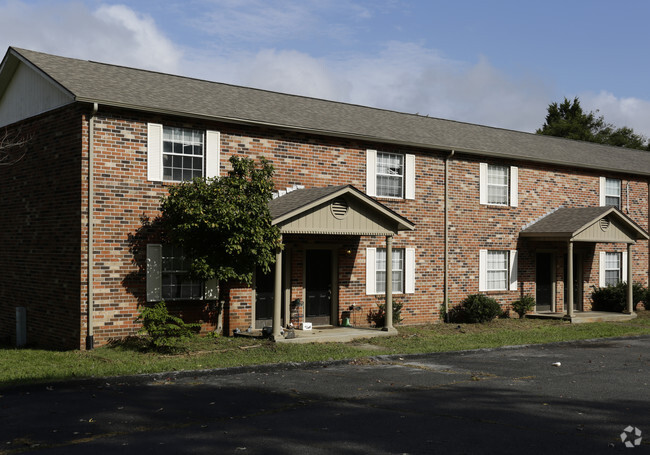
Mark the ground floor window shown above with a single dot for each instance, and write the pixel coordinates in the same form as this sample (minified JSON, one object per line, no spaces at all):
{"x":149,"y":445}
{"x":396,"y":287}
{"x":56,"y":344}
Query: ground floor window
{"x":176,"y":283}
{"x":613,"y":268}
{"x":398,"y":270}
{"x":497,"y":270}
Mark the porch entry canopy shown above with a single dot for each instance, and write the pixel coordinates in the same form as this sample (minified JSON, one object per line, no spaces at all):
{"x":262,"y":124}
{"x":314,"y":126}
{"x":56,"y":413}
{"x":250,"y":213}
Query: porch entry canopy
{"x":334,"y":210}
{"x":587,"y":224}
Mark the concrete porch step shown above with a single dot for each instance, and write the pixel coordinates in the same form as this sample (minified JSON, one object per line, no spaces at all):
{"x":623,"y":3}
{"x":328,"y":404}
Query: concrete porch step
{"x":581,"y":317}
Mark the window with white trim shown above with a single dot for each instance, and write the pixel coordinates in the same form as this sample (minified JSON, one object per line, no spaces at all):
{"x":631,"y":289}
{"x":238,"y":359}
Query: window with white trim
{"x":613,"y":268}
{"x":497,"y":270}
{"x":613,"y":192}
{"x":390,"y":174}
{"x":176,"y":284}
{"x":182,"y":154}
{"x":403,"y":268}
{"x":499,"y":184}
{"x":398,"y":270}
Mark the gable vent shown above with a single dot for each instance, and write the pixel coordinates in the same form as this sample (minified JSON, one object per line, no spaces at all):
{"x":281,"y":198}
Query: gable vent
{"x":339,"y":208}
{"x":604,"y":223}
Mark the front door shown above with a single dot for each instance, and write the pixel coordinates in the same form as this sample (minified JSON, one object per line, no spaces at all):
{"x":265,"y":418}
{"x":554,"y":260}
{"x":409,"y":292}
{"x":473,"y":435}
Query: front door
{"x":264,"y":296}
{"x":544,"y":282}
{"x":318,"y":287}
{"x":577,"y":281}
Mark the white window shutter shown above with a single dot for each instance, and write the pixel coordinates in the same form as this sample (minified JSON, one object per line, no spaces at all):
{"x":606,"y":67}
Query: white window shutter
{"x":371,"y":172}
{"x":513,"y":270}
{"x":154,"y":273}
{"x":514,"y":186}
{"x":371,"y":265}
{"x":624,"y":266}
{"x":212,"y":151}
{"x":601,"y":269}
{"x":409,"y":271}
{"x":482,"y":270}
{"x":409,"y":190}
{"x":483,"y":170}
{"x":211,"y":289}
{"x":154,"y":152}
{"x":603,"y":201}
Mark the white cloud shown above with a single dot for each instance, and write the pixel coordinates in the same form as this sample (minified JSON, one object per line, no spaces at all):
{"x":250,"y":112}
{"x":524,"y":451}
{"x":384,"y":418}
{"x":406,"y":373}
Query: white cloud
{"x":630,"y":112}
{"x":113,"y":34}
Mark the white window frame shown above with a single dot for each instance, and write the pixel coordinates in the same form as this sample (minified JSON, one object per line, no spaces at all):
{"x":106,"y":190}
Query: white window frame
{"x":513,"y":185}
{"x":603,"y":269}
{"x":211,"y":153}
{"x":408,"y":175}
{"x":511,"y":258}
{"x":154,"y":277}
{"x":605,"y":191}
{"x":408,"y":272}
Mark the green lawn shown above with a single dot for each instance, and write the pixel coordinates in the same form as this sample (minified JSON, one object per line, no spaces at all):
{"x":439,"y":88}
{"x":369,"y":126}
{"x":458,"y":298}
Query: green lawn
{"x":35,"y":365}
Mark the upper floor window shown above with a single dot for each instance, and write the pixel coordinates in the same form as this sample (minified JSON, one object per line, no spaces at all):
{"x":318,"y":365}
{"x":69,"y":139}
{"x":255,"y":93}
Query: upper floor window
{"x":613,"y":192}
{"x":182,"y":154}
{"x":498,"y":185}
{"x":390,"y":174}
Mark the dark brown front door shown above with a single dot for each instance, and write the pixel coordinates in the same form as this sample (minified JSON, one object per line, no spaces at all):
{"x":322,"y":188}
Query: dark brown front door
{"x":544,"y":282}
{"x":318,"y":287}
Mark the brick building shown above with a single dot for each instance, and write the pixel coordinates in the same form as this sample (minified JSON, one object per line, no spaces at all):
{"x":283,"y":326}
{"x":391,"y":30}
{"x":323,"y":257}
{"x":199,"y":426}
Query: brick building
{"x":459,"y":208}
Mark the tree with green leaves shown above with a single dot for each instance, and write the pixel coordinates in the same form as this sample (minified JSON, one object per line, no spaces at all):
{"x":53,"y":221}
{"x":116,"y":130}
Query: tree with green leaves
{"x":224,"y":224}
{"x":568,"y":120}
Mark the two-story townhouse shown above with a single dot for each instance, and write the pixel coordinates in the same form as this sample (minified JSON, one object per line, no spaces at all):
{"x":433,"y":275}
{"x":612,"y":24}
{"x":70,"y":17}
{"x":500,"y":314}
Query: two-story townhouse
{"x":371,"y":204}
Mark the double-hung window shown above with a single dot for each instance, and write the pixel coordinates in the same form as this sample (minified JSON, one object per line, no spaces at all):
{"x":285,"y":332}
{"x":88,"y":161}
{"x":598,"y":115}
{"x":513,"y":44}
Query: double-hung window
{"x":497,"y":270}
{"x":498,"y":185}
{"x":390,"y":175}
{"x":403,"y":270}
{"x":176,"y":283}
{"x":167,"y":271}
{"x":180,"y":154}
{"x":613,"y":268}
{"x":398,"y":271}
{"x":610,"y":192}
{"x":183,"y":154}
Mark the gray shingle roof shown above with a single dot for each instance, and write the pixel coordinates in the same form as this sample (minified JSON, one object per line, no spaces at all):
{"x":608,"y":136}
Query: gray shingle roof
{"x":150,"y":91}
{"x":568,"y":220}
{"x":297,"y":199}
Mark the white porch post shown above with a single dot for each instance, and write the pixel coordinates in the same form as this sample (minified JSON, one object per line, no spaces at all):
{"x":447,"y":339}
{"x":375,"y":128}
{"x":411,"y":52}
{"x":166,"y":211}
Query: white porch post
{"x":388,"y":325}
{"x":277,"y":294}
{"x":630,"y":294}
{"x":569,"y":284}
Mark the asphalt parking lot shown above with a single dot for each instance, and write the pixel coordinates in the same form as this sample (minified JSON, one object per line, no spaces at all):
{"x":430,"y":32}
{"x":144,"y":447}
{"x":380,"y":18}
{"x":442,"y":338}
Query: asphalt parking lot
{"x":508,"y":400}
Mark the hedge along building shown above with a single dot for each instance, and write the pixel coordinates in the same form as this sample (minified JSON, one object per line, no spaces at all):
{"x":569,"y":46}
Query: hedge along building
{"x":462,"y":208}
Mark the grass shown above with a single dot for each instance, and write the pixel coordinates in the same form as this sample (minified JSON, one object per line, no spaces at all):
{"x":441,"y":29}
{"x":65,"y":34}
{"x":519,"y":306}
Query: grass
{"x":21,"y":366}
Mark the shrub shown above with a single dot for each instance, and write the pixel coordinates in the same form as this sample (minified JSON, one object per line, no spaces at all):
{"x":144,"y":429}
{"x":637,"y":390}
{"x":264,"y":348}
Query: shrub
{"x":378,"y":316}
{"x":477,"y":308}
{"x":165,"y":330}
{"x":614,"y":297}
{"x":523,"y":305}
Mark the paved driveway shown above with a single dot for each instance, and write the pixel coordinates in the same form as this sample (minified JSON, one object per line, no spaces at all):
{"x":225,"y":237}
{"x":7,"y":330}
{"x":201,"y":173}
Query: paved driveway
{"x":510,"y":400}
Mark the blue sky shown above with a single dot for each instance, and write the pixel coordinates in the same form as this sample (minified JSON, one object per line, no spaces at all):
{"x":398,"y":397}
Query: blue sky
{"x":497,"y":63}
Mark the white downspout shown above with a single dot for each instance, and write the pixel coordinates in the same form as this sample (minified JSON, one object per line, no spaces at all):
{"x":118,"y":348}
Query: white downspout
{"x":446,"y":229}
{"x":90,"y":342}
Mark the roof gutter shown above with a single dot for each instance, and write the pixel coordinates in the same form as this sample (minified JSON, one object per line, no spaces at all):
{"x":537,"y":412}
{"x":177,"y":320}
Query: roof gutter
{"x":90,"y":337}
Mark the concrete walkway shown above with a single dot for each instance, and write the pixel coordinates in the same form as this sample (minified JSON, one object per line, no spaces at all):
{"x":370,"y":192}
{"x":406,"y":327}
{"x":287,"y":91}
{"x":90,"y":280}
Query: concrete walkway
{"x":581,"y":317}
{"x":327,"y":334}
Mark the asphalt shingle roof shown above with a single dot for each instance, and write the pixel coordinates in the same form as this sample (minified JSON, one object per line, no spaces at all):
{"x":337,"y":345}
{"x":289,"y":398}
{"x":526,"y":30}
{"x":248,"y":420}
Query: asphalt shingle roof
{"x":297,"y":199}
{"x":151,"y":91}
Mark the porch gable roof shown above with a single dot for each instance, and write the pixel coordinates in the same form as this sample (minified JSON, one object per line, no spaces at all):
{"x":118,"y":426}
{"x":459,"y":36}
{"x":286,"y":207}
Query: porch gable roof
{"x":586,"y":224}
{"x":339,"y":210}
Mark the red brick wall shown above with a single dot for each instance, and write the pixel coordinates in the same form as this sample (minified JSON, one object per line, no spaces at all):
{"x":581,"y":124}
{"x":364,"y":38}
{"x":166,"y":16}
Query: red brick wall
{"x":123,"y":196}
{"x":40,"y":224}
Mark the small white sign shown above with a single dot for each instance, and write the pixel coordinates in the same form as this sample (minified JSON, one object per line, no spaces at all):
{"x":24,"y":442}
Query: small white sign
{"x":305,"y":326}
